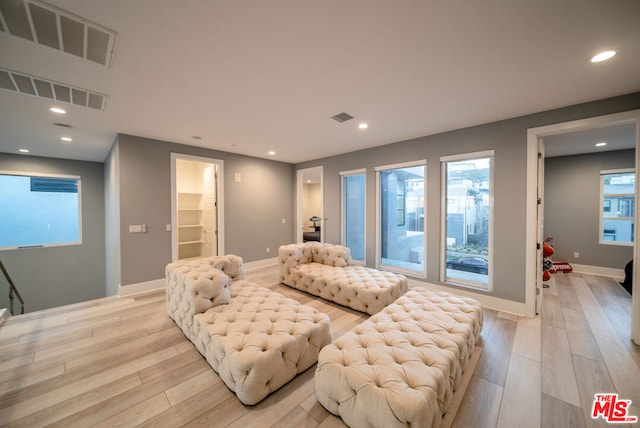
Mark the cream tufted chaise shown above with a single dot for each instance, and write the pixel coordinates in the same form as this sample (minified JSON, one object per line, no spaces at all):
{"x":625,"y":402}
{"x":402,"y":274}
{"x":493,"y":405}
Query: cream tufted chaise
{"x":256,"y":339}
{"x":401,"y":366}
{"x":325,"y":270}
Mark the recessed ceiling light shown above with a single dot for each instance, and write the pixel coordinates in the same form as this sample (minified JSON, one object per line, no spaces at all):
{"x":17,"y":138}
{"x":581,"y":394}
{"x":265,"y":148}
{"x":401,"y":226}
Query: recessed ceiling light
{"x":66,"y":139}
{"x":58,"y":110}
{"x":272,"y":153}
{"x":23,"y":150}
{"x":363,"y":126}
{"x":603,"y":56}
{"x":601,"y":144}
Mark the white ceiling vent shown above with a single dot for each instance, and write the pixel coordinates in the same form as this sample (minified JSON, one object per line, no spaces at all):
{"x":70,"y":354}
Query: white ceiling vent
{"x":342,"y":117}
{"x":47,"y":25}
{"x":43,"y":88}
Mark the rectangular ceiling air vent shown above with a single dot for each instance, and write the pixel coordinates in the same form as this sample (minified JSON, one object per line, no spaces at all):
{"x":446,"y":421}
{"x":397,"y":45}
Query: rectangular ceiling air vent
{"x":43,"y":88}
{"x":50,"y":26}
{"x":342,"y":117}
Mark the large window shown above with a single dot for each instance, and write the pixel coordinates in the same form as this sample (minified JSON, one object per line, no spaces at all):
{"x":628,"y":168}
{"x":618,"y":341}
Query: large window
{"x":401,"y":194}
{"x":353,"y":213}
{"x":467,"y":213}
{"x":39,"y":210}
{"x":617,"y":206}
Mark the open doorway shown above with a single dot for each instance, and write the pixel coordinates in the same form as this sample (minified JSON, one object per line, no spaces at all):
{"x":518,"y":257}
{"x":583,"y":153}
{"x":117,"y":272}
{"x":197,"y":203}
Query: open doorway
{"x":550,"y":134}
{"x":309,"y":209}
{"x":196,"y":220}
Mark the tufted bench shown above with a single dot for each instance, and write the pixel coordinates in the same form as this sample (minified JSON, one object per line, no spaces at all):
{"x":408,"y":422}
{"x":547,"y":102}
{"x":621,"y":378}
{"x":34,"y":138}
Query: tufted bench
{"x":256,"y":339}
{"x":325,"y":270}
{"x":401,"y":366}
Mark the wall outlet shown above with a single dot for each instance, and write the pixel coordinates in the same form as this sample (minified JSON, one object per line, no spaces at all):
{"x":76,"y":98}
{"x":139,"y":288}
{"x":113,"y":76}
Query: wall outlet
{"x":576,"y":255}
{"x":284,"y":221}
{"x":268,"y":249}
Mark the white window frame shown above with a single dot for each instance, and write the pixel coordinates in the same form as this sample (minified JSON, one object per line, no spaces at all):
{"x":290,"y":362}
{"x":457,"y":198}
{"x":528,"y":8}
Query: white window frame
{"x":601,"y":217}
{"x":378,"y":243}
{"x":443,"y":216}
{"x":47,"y":175}
{"x":343,"y":219}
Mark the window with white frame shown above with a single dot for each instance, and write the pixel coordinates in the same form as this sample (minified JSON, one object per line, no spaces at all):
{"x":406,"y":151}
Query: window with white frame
{"x":39,"y":210}
{"x":617,"y":206}
{"x":467,"y":213}
{"x":401,"y":217}
{"x":353,"y":213}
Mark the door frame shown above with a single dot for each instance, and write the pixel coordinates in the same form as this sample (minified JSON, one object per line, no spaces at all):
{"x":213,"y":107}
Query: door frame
{"x":533,"y":137}
{"x":219,"y":200}
{"x":301,"y":176}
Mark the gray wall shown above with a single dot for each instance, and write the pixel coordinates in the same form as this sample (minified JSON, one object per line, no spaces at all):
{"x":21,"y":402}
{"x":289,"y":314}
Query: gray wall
{"x":572,"y":207}
{"x":54,"y":276}
{"x":509,"y":140}
{"x":253,"y":208}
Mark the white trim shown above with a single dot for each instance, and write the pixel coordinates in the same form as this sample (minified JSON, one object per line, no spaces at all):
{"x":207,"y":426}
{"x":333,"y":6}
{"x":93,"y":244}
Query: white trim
{"x":141,"y":287}
{"x":4,"y":314}
{"x":496,"y":303}
{"x":468,"y":156}
{"x":533,"y":134}
{"x":617,"y":171}
{"x":40,"y":174}
{"x":299,"y":223}
{"x":354,"y":171}
{"x":443,"y":219}
{"x":618,"y":274}
{"x":219,"y":200}
{"x":401,"y":165}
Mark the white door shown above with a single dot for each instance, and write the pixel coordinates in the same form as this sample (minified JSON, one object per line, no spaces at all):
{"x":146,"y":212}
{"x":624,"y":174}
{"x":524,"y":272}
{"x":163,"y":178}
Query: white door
{"x":196,"y":220}
{"x":540,"y":230}
{"x":310,"y":219}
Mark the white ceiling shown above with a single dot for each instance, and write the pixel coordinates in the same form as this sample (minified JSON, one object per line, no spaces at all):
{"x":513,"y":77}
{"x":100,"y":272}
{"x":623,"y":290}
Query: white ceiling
{"x":254,"y":76}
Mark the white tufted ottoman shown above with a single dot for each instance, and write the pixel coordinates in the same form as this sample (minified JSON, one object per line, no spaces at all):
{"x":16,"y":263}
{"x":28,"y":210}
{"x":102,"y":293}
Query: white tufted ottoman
{"x":325,"y":270}
{"x":401,"y":366}
{"x":257,"y":340}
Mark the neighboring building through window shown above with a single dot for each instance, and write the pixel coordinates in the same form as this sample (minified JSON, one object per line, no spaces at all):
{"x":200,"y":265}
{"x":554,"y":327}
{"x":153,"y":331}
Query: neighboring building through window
{"x":353,"y":213}
{"x":39,"y":210}
{"x":617,"y":206}
{"x":400,"y":205}
{"x":467,"y":182}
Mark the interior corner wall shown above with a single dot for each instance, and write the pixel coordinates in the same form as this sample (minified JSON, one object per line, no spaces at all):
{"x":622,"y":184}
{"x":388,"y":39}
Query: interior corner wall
{"x":55,"y":276}
{"x":112,"y":221}
{"x":572,"y":207}
{"x":254,"y":206}
{"x":508,"y":139}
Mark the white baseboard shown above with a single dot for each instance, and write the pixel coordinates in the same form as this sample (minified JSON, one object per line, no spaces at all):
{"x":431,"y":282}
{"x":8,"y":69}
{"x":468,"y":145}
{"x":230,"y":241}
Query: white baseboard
{"x":260,"y":263}
{"x":141,"y":287}
{"x":4,"y":314}
{"x":618,"y":274}
{"x":502,"y":305}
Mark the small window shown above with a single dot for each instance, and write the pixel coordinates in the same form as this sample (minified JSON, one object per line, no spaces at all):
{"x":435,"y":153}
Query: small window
{"x":39,"y":210}
{"x":617,"y":206}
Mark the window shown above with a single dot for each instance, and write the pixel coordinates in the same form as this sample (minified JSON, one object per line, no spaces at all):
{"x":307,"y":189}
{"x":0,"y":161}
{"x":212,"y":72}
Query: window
{"x":467,"y":219}
{"x":400,"y":204}
{"x":353,"y":213}
{"x":39,"y":210}
{"x":617,"y":206}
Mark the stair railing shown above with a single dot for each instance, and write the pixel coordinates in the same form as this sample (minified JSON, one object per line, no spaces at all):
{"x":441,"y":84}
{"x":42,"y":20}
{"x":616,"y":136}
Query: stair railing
{"x":13,"y":291}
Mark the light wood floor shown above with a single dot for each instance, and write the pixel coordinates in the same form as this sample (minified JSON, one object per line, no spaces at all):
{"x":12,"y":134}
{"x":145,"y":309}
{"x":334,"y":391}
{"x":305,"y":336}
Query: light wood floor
{"x":123,"y":362}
